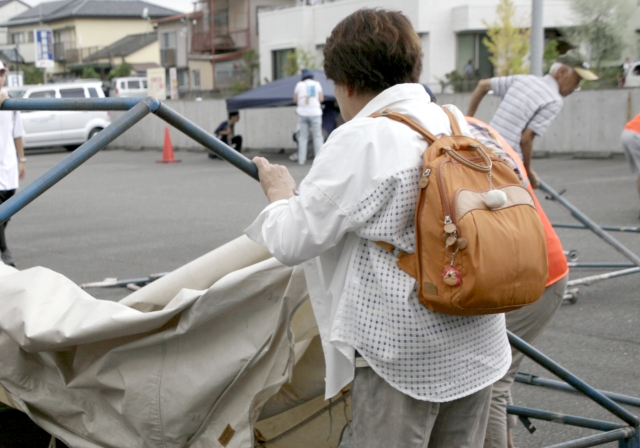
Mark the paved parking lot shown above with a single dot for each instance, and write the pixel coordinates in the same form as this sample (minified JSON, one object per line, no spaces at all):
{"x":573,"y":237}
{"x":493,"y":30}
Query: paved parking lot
{"x":123,"y":215}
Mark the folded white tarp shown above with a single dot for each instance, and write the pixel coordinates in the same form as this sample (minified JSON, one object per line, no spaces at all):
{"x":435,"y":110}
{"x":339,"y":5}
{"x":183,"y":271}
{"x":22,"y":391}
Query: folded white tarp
{"x":189,"y":360}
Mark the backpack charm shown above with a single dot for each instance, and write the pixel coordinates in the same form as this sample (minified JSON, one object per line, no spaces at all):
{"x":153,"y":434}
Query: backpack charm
{"x":495,"y":199}
{"x":451,"y":276}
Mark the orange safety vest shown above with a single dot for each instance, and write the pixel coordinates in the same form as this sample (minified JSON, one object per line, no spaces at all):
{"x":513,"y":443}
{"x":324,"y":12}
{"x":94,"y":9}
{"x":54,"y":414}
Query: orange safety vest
{"x":558,"y":267}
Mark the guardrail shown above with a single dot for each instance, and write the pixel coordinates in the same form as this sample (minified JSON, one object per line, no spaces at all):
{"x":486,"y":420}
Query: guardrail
{"x":627,"y":434}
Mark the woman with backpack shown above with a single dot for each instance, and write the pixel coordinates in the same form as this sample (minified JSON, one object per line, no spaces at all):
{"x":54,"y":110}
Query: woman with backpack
{"x":420,"y":377}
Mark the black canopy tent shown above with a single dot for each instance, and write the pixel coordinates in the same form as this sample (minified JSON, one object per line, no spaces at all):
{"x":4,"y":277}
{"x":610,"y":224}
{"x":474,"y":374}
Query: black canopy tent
{"x":277,"y":93}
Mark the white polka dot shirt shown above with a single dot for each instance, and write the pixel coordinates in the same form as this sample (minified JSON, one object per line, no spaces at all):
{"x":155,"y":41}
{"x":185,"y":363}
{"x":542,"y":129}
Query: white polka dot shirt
{"x":363,"y":188}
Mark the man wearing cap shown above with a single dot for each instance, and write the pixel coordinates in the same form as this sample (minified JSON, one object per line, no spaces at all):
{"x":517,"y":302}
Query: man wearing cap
{"x":12,"y":160}
{"x":530,"y":103}
{"x":308,"y":98}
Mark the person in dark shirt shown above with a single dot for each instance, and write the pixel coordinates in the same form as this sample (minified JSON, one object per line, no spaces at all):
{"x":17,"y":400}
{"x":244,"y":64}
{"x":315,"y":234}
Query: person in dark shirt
{"x":225,"y":132}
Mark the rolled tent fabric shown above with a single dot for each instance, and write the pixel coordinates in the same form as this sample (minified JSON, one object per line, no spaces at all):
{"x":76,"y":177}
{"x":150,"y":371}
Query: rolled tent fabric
{"x":221,"y":339}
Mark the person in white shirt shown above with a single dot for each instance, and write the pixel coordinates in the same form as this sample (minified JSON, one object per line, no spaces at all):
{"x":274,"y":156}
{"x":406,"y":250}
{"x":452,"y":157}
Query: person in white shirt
{"x":308,"y":97}
{"x":420,"y":378}
{"x":12,"y":161}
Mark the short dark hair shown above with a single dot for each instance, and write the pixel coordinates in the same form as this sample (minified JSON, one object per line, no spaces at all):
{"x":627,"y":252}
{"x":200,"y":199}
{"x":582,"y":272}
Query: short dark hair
{"x":372,"y":50}
{"x":234,"y":114}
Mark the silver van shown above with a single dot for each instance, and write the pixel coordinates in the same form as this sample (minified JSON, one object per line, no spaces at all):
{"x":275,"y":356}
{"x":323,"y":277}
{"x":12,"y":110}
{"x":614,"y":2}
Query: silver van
{"x":61,"y":128}
{"x":128,"y":87}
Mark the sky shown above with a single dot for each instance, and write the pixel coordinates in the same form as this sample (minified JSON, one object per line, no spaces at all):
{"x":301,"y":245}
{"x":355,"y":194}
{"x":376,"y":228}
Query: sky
{"x":178,"y":5}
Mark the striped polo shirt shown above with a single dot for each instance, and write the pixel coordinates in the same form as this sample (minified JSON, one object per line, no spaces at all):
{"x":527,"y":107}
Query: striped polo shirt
{"x":528,"y":101}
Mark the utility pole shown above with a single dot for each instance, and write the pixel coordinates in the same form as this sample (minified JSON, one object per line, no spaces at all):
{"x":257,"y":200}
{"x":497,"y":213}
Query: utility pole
{"x":537,"y":38}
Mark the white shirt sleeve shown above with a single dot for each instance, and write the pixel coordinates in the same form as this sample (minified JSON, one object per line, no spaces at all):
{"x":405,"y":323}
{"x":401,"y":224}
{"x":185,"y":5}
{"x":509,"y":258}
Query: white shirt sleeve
{"x":301,"y":228}
{"x":18,"y":130}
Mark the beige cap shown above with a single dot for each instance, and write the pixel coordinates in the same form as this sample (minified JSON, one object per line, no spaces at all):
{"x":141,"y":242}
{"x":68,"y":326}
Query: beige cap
{"x":575,"y":60}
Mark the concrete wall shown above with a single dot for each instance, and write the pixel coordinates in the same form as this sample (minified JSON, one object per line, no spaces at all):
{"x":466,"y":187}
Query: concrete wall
{"x":590,"y":121}
{"x":269,"y":129}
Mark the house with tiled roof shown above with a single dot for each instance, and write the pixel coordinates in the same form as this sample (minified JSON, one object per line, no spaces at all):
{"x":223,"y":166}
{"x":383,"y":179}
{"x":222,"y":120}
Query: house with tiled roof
{"x":9,"y":9}
{"x":82,"y":28}
{"x":140,"y":50}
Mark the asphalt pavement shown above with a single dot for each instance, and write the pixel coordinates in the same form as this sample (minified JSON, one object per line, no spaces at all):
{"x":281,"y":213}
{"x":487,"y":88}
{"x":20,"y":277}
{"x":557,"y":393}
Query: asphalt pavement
{"x":123,"y":215}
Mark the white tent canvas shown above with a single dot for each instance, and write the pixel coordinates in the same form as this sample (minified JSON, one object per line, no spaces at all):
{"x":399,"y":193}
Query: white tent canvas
{"x":194,"y":359}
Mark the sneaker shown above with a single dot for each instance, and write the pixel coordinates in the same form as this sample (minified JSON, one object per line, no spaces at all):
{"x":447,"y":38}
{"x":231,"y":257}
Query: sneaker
{"x":294,"y":157}
{"x":7,"y":258}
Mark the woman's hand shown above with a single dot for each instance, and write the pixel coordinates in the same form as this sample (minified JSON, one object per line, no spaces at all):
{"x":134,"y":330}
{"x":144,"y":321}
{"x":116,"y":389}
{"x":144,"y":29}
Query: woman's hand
{"x":275,"y":180}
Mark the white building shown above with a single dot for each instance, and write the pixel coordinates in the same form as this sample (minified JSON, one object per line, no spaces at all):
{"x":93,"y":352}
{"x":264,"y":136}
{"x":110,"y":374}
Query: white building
{"x":451,"y":30}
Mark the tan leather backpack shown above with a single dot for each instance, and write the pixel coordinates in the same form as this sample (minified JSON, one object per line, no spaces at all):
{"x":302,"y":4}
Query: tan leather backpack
{"x":480,"y":245}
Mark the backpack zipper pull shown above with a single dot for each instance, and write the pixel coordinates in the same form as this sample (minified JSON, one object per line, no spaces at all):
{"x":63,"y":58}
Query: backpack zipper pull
{"x":424,"y":180}
{"x":449,"y":226}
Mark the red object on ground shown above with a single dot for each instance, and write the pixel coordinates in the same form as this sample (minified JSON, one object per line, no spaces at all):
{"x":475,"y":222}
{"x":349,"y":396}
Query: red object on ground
{"x":167,"y":151}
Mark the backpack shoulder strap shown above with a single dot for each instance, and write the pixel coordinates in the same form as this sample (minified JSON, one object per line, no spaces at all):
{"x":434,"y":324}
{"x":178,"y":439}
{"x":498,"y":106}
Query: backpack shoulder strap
{"x":455,"y":127}
{"x":401,"y":118}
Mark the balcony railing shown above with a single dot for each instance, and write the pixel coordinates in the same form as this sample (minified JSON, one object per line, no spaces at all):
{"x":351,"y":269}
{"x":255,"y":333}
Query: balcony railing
{"x":219,"y":39}
{"x":67,"y":53}
{"x":78,"y":55}
{"x":60,"y":51}
{"x":168,"y":57}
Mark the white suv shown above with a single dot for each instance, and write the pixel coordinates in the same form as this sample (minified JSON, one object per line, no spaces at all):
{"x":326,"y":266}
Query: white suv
{"x":61,"y":128}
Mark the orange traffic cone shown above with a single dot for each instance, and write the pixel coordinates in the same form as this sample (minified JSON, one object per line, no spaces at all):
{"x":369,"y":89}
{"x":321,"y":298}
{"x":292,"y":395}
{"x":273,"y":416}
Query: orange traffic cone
{"x":167,"y":151}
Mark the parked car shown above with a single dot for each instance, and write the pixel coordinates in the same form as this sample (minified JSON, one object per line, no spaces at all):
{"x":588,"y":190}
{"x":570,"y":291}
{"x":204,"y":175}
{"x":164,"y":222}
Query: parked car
{"x":632,"y":77}
{"x":128,"y":87}
{"x":61,"y":128}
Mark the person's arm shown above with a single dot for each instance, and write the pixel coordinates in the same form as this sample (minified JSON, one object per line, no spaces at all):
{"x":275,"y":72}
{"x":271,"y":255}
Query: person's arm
{"x":295,"y":97}
{"x":22,"y":166}
{"x":526,"y":145}
{"x":483,"y":87}
{"x":226,"y":130}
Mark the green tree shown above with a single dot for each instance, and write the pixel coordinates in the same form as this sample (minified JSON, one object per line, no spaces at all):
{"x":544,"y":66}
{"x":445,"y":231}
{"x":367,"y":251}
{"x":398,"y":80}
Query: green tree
{"x":550,"y":55}
{"x":507,"y":43}
{"x":602,"y":27}
{"x":90,"y":73}
{"x":122,"y":70}
{"x":297,"y":60}
{"x":32,"y":74}
{"x":246,"y":79}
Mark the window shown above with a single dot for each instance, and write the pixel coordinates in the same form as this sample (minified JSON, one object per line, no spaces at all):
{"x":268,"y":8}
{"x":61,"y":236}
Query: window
{"x":72,"y":93}
{"x":221,"y":14}
{"x":144,"y":83}
{"x":133,"y":85}
{"x":43,"y":94}
{"x":196,"y":79}
{"x":183,"y":78}
{"x":471,"y":49}
{"x":93,"y":93}
{"x":168,"y":49}
{"x":280,"y":62}
{"x":17,"y":38}
{"x":30,"y":36}
{"x":168,"y":40}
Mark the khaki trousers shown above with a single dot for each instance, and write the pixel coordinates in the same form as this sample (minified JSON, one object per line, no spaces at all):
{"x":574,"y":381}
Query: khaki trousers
{"x":384,"y":417}
{"x":528,"y":323}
